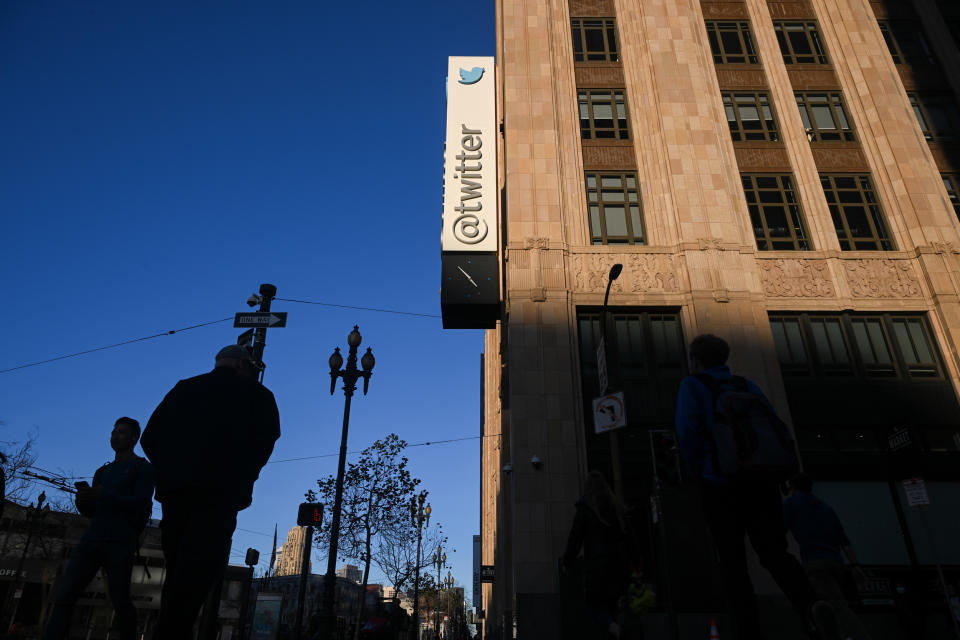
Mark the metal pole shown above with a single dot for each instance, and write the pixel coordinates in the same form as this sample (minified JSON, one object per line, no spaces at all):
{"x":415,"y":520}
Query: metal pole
{"x":614,"y":438}
{"x":328,"y":594}
{"x":245,"y":605}
{"x":267,"y":293}
{"x":304,"y":572}
{"x":416,"y":585}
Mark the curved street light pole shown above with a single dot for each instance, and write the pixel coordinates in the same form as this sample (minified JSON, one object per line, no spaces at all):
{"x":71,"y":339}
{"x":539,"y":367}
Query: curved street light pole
{"x":350,"y":375}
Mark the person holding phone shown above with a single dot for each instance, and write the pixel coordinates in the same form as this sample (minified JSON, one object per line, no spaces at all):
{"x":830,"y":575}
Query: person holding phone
{"x":118,"y":505}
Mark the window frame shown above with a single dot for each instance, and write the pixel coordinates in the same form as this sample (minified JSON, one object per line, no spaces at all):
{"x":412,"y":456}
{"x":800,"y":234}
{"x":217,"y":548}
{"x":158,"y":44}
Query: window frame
{"x":897,"y":368}
{"x":761,"y":101}
{"x":792,"y":211}
{"x":876,"y":219}
{"x":604,"y":238}
{"x":921,"y":102}
{"x":891,"y":29}
{"x":833,"y":100}
{"x":616,"y":97}
{"x":608,"y":28}
{"x":812,"y":34}
{"x":744,"y":35}
{"x":951,"y":182}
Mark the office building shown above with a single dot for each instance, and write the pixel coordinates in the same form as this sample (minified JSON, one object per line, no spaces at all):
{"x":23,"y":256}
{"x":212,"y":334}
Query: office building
{"x":290,"y":558}
{"x":350,"y":572}
{"x":783,"y":174}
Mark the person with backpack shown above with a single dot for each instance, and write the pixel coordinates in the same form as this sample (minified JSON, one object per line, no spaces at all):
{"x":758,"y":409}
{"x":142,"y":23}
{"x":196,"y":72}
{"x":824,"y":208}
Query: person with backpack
{"x":601,"y":529}
{"x":823,"y":543}
{"x":739,"y":451}
{"x":209,"y":438}
{"x":119,"y":505}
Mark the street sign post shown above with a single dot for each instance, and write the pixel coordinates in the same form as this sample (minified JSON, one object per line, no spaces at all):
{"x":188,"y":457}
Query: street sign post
{"x":609,"y":412}
{"x":260,"y":319}
{"x":602,"y":365}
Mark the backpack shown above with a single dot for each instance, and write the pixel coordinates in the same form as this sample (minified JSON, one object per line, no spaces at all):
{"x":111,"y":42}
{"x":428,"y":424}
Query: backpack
{"x":749,"y":438}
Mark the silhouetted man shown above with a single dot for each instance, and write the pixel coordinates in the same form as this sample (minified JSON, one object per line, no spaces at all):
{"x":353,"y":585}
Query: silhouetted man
{"x":823,"y":543}
{"x":208,"y":439}
{"x":732,"y":506}
{"x":119,"y":503}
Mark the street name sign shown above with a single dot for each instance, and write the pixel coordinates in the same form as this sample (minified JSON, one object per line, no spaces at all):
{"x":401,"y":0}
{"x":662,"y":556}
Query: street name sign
{"x":259,"y":319}
{"x":609,"y":412}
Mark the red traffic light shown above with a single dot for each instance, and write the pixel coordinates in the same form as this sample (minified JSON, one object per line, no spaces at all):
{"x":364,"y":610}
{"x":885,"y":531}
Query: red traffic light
{"x":310,"y":514}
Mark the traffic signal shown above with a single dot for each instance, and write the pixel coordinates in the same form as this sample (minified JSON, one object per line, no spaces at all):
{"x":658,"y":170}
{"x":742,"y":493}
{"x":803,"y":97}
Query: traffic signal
{"x":310,"y":514}
{"x":253,"y":557}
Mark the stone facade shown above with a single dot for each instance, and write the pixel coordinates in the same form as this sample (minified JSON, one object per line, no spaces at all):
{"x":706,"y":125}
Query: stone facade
{"x":700,"y":255}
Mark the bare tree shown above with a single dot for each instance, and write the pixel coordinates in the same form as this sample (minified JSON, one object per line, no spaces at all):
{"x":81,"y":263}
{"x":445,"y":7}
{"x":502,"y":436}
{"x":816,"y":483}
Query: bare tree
{"x":396,"y":553}
{"x":376,"y":491}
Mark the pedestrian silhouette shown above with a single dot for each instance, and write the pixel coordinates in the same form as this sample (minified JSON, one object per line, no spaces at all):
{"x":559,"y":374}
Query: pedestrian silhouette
{"x":119,"y":505}
{"x":601,"y":529}
{"x":823,"y":542}
{"x":744,"y":500}
{"x":208,"y":440}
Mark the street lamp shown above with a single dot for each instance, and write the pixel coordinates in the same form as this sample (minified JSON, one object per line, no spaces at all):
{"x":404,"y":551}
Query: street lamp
{"x":440,"y":561}
{"x":615,"y":271}
{"x":350,"y":374}
{"x":420,"y":517}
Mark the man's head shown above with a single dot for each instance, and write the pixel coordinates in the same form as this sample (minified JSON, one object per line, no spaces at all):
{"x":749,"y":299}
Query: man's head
{"x":126,"y":432}
{"x":237,"y":358}
{"x":707,"y":350}
{"x":801,"y":483}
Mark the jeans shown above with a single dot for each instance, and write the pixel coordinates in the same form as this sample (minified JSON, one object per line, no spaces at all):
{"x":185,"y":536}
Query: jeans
{"x":195,"y":535}
{"x":116,"y":558}
{"x":825,"y":576}
{"x":757,"y":510}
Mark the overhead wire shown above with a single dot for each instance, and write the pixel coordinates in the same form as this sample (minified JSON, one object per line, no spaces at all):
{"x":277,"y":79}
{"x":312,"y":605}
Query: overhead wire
{"x":205,"y":324}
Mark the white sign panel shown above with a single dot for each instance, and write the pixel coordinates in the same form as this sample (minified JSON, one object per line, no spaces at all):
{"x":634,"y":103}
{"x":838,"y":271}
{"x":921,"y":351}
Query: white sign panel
{"x":609,"y":412}
{"x":470,"y":157}
{"x":916,"y":490}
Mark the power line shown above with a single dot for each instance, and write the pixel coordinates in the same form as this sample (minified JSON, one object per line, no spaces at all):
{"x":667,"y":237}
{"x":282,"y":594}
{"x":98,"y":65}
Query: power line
{"x":347,"y":306}
{"x":114,"y":346}
{"x":417,"y":444}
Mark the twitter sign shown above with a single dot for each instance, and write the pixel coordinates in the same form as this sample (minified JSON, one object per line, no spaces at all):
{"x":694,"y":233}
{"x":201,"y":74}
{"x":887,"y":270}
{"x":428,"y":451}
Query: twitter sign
{"x":470,"y":157}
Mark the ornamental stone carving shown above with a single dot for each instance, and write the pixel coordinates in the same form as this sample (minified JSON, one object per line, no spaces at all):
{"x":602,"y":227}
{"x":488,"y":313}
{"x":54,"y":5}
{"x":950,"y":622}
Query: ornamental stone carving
{"x":884,"y":278}
{"x":839,"y":158}
{"x":609,"y":158}
{"x":944,"y":247}
{"x":741,"y":79}
{"x":710,"y":243}
{"x":791,"y":10}
{"x":813,"y":79}
{"x":750,"y":157}
{"x":723,"y":10}
{"x":599,"y":8}
{"x":642,"y":272}
{"x":536,"y":243}
{"x":588,"y":76}
{"x":796,"y":278}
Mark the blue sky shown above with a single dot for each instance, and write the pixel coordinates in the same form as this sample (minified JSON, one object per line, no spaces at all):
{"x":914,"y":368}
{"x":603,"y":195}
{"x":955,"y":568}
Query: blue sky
{"x":160,"y":161}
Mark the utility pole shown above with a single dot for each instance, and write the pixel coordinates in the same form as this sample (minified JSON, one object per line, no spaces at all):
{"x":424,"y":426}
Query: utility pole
{"x":304,"y":572}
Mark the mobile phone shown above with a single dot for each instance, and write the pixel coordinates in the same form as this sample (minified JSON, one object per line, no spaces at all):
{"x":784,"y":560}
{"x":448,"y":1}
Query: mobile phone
{"x":81,"y":485}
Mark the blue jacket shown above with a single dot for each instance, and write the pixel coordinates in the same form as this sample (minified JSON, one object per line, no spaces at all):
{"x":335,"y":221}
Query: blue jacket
{"x":694,"y":421}
{"x":815,"y":526}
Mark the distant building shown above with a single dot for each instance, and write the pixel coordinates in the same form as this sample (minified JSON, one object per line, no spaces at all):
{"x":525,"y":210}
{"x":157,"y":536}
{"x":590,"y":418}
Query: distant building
{"x":347,"y":597}
{"x":290,"y":559}
{"x":350,"y":572}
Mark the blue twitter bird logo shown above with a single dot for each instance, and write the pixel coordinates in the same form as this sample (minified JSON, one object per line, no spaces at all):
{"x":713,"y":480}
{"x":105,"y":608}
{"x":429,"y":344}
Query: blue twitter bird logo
{"x":472,"y":76}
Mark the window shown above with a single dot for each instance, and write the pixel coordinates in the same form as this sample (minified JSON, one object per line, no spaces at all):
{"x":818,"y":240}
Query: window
{"x":937,"y":115}
{"x":856,"y":214}
{"x":855,"y":345}
{"x":951,"y":182}
{"x":774,"y":212}
{"x":731,"y":43}
{"x":595,"y":40}
{"x":750,"y":116}
{"x":639,"y":344}
{"x":906,"y":42}
{"x":603,"y":114}
{"x":614,"y":204}
{"x":824,"y":117}
{"x":800,"y":43}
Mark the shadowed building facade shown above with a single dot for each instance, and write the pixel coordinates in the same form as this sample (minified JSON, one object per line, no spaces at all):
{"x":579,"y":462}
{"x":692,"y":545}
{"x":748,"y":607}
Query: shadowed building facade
{"x":782,"y":174}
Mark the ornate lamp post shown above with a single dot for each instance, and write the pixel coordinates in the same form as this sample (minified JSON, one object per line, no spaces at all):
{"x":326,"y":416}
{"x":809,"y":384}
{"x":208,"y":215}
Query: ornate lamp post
{"x":350,"y":374}
{"x":440,"y":561}
{"x":420,"y":517}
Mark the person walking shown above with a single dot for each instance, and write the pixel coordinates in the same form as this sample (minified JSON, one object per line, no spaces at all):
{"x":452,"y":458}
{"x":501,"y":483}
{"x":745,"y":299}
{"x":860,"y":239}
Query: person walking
{"x":734,"y":506}
{"x":601,"y":529}
{"x":823,"y":542}
{"x":119,"y":505}
{"x":208,"y":439}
